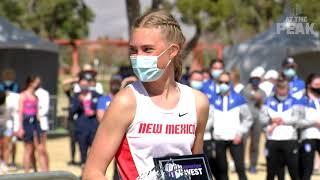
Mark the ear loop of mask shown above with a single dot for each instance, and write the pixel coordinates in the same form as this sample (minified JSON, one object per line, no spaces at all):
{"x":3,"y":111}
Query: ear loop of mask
{"x":163,"y":53}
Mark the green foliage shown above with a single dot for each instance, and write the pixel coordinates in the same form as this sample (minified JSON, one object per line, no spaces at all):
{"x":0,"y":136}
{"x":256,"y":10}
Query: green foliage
{"x":308,"y":8}
{"x":49,"y":18}
{"x":224,"y":17}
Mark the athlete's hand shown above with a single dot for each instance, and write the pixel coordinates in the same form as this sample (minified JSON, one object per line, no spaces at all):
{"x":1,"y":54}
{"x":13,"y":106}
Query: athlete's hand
{"x":237,"y":139}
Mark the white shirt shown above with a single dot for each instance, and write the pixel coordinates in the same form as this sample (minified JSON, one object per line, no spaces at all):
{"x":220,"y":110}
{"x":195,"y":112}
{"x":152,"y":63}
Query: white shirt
{"x":44,"y":105}
{"x":12,"y":103}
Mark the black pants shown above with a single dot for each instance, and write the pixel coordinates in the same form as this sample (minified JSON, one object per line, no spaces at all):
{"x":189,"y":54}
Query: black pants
{"x":85,"y":130}
{"x":73,"y":139}
{"x":209,"y":151}
{"x":307,"y":151}
{"x":281,"y":154}
{"x":237,"y":153}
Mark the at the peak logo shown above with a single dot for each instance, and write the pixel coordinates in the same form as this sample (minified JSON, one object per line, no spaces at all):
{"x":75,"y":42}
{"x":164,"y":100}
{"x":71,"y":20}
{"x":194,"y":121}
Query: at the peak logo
{"x":296,"y":25}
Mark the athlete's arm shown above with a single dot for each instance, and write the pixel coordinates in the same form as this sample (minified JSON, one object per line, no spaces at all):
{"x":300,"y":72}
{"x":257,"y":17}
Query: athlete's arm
{"x":20,"y":130}
{"x":202,"y":105}
{"x":112,"y":128}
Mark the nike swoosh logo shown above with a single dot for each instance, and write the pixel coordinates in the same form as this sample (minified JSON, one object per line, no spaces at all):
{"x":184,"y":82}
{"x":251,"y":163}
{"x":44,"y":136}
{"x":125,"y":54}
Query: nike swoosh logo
{"x":180,"y":115}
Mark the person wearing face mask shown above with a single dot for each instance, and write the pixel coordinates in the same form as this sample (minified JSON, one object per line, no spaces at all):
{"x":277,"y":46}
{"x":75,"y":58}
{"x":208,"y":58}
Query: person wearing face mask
{"x":103,"y":103}
{"x":155,"y":116}
{"x":296,"y":85}
{"x":210,"y":87}
{"x":84,"y":106}
{"x":310,"y":126}
{"x":231,"y":121}
{"x":196,"y":80}
{"x":269,"y":80}
{"x":280,"y":116}
{"x":255,"y":98}
{"x":8,"y":82}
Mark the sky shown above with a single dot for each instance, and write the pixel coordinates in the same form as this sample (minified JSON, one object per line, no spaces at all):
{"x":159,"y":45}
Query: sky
{"x":111,"y":19}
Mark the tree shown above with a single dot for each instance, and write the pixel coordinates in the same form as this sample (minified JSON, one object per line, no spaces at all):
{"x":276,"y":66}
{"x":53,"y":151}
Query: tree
{"x":133,"y":12}
{"x":50,"y":18}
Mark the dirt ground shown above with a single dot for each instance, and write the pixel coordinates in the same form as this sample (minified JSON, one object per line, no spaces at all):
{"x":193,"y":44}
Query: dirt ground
{"x":59,"y":154}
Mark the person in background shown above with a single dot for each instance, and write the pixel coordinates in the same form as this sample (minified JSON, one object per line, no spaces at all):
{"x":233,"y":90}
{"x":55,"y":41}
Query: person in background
{"x":84,"y":106}
{"x":296,"y":85}
{"x":12,"y":103}
{"x":103,"y":103}
{"x":231,"y":121}
{"x":206,"y":75}
{"x":235,"y":78}
{"x":269,"y":80}
{"x":185,"y":77}
{"x":93,"y":84}
{"x":196,"y":80}
{"x":29,"y":126}
{"x":4,"y":139}
{"x":310,"y":127}
{"x":210,"y":87}
{"x":43,"y":111}
{"x":280,"y":115}
{"x":8,"y":82}
{"x":255,"y":98}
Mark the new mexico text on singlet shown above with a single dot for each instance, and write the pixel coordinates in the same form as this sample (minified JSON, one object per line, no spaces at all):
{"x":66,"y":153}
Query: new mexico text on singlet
{"x":156,"y":132}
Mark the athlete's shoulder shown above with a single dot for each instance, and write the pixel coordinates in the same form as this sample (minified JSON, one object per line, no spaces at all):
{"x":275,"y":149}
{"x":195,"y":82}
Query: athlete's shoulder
{"x":202,"y":100}
{"x":125,"y":97}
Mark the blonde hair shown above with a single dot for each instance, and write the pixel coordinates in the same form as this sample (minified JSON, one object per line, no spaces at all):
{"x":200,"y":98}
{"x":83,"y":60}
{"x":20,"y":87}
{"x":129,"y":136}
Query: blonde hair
{"x":171,"y":29}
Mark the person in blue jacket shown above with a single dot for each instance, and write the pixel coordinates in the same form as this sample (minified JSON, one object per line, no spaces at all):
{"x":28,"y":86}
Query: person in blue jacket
{"x":310,"y":127}
{"x":84,"y":105}
{"x":230,"y":119}
{"x":280,"y":116}
{"x":210,"y":86}
{"x":296,"y":84}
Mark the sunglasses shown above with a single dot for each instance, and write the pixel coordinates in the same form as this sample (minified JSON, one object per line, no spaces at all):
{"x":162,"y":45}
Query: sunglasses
{"x":224,"y":82}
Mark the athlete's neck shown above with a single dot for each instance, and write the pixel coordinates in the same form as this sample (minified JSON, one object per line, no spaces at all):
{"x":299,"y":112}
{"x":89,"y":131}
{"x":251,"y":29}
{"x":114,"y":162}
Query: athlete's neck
{"x":162,"y":86}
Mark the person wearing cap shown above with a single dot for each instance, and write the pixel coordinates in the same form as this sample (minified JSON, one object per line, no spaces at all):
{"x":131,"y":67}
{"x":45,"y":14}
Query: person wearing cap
{"x":279,"y":116}
{"x":83,"y":109}
{"x":231,"y":120}
{"x":269,"y":80}
{"x":255,"y":98}
{"x":289,"y":71}
{"x":90,"y":76}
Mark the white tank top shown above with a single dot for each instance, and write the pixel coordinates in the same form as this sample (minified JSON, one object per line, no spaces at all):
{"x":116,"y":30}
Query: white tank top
{"x":156,"y":132}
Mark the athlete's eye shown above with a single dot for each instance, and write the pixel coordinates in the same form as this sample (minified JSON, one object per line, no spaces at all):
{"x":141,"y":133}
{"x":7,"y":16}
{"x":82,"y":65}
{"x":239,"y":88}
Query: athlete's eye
{"x":148,"y":50}
{"x":133,"y":50}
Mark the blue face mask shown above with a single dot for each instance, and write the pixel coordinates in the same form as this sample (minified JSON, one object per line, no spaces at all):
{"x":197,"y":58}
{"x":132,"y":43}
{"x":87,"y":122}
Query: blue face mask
{"x":224,"y":88}
{"x":146,"y":67}
{"x":196,"y":84}
{"x":216,"y":73}
{"x":289,"y":73}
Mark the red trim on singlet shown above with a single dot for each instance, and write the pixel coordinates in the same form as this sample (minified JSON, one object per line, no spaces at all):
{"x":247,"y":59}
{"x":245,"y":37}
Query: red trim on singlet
{"x":126,"y":166}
